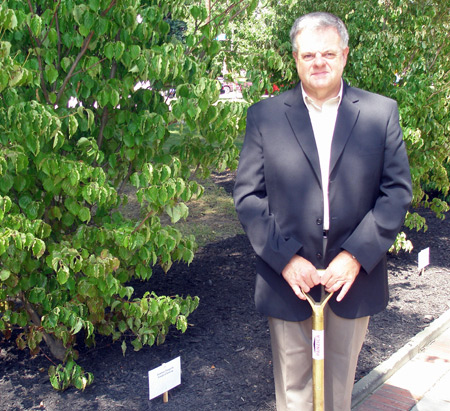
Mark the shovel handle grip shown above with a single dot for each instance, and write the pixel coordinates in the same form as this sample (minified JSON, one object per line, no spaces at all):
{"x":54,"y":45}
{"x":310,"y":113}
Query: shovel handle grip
{"x":318,"y":305}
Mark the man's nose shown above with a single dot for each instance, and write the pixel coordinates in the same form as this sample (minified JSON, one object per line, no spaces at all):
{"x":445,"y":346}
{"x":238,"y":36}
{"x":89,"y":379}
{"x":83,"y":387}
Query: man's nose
{"x":318,"y":59}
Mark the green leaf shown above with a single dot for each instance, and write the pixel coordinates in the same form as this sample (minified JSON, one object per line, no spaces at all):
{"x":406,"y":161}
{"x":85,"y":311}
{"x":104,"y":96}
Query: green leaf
{"x":214,"y":48}
{"x":135,"y":51}
{"x":137,"y":344}
{"x":5,"y":49}
{"x":4,"y":78}
{"x":10,"y":22}
{"x":164,"y":27}
{"x":33,"y":144}
{"x":78,"y":12}
{"x":53,"y":36}
{"x":38,"y":248}
{"x":135,"y":180}
{"x":102,"y":26}
{"x":32,"y":211}
{"x":89,"y":19}
{"x":84,"y":214}
{"x":188,"y":256}
{"x":18,"y":241}
{"x":63,"y":275}
{"x":55,"y":212}
{"x":52,"y":97}
{"x":103,"y":98}
{"x":73,"y":125}
{"x":203,"y":103}
{"x":15,"y":76}
{"x":72,"y":205}
{"x":6,"y":182}
{"x":196,"y":12}
{"x":51,"y":74}
{"x":128,"y":139}
{"x":119,"y":49}
{"x":77,"y":327}
{"x":36,"y":25}
{"x":68,"y":219}
{"x":162,"y":195}
{"x":4,"y":274}
{"x":109,"y":51}
{"x":37,"y":295}
{"x":94,"y":5}
{"x":182,"y":91}
{"x":25,"y":201}
{"x":177,"y":212}
{"x":181,"y":323}
{"x":165,"y":173}
{"x":122,"y":326}
{"x":114,"y":98}
{"x":90,"y":117}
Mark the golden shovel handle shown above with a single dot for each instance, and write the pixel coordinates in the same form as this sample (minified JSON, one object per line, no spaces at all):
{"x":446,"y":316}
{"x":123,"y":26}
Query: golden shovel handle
{"x":318,"y":353}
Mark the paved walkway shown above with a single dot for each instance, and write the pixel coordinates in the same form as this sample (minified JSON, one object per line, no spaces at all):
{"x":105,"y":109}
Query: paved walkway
{"x":416,"y":378}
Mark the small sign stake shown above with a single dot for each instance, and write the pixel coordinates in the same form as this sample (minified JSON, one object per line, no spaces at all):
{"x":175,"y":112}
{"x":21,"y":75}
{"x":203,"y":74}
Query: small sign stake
{"x":164,"y":378}
{"x":423,"y":260}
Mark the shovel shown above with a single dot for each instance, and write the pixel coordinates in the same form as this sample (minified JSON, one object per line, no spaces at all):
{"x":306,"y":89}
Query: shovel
{"x":318,"y":353}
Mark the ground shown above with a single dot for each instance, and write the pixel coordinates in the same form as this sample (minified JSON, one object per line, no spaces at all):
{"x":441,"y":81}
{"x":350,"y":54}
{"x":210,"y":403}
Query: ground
{"x":225,"y":353}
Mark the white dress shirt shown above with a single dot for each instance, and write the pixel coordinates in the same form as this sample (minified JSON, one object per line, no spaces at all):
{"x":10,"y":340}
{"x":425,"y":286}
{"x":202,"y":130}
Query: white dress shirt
{"x":323,"y":120}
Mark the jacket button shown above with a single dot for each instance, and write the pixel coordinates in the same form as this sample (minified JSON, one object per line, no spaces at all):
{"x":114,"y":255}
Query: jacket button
{"x":319,"y":255}
{"x":319,"y":221}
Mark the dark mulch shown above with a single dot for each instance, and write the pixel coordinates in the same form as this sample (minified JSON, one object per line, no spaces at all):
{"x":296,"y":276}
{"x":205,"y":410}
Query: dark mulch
{"x":225,"y":353}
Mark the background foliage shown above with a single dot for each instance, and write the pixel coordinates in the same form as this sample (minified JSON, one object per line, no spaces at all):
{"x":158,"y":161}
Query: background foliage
{"x":84,"y":113}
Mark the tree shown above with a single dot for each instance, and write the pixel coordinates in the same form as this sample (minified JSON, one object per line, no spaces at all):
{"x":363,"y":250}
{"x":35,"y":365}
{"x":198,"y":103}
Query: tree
{"x":67,"y":252}
{"x":398,"y":48}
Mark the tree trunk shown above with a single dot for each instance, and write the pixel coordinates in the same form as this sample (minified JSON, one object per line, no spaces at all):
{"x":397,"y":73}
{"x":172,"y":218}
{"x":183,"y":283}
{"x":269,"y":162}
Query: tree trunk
{"x":55,"y":346}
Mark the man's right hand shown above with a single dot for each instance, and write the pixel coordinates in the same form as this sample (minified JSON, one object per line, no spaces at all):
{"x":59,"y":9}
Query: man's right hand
{"x":300,"y":274}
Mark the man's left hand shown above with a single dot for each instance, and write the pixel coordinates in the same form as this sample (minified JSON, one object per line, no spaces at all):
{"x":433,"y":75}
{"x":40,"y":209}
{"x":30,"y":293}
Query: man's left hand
{"x":341,"y":274}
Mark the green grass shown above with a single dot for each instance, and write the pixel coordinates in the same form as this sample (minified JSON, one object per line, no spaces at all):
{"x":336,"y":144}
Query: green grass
{"x":212,"y":217}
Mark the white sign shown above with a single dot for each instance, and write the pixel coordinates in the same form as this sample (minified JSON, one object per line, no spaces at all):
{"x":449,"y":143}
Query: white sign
{"x":317,"y":344}
{"x":424,"y":258}
{"x":164,"y":378}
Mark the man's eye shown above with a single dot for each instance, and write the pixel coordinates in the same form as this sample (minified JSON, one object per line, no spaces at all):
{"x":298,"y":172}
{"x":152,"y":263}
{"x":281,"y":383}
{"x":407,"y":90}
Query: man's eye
{"x":308,"y":57}
{"x":330,"y":55}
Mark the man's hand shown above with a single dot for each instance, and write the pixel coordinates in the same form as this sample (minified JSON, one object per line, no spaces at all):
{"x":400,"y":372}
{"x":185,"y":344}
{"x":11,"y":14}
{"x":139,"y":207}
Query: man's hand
{"x":341,"y":274}
{"x":300,"y":274}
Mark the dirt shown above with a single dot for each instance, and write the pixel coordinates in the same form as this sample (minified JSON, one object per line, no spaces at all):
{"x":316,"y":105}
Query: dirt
{"x":225,"y":353}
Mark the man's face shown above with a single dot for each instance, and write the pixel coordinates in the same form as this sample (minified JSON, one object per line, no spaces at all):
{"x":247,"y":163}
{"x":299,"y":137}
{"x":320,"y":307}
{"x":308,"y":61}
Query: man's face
{"x":320,"y":62}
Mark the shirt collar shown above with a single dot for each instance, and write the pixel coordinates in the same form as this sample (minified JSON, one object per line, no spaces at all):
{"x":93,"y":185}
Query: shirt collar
{"x":334,"y":100}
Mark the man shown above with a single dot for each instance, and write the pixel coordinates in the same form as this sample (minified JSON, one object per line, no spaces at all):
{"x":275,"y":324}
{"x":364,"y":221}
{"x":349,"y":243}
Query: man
{"x":323,"y":183}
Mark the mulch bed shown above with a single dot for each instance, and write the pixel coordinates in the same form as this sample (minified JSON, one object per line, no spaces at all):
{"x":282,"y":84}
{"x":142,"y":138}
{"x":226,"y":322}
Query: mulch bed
{"x":225,"y":353}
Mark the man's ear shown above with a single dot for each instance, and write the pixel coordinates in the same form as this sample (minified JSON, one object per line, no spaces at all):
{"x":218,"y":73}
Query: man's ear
{"x":294,"y":54}
{"x":345,"y":54}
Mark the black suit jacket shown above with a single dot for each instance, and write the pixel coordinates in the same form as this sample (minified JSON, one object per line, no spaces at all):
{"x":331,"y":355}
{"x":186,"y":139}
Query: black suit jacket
{"x":279,"y":201}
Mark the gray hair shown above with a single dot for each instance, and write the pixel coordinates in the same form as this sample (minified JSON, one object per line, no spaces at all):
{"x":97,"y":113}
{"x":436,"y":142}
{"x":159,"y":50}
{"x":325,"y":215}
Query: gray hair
{"x":318,"y":20}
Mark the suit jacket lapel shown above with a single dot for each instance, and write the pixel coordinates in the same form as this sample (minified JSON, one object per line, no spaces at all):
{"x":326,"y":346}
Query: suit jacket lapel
{"x":298,"y":118}
{"x":347,"y":116}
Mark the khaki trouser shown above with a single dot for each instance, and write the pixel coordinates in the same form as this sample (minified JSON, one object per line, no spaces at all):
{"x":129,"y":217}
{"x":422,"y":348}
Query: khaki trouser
{"x":292,"y":361}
